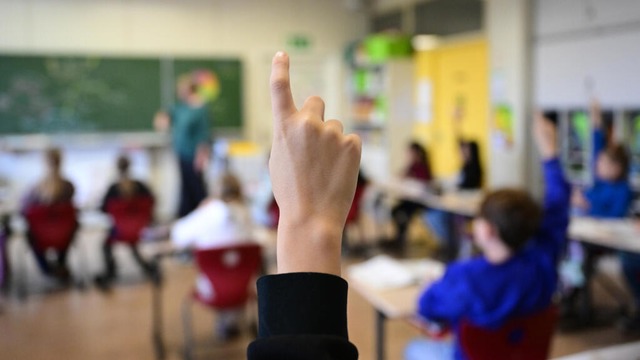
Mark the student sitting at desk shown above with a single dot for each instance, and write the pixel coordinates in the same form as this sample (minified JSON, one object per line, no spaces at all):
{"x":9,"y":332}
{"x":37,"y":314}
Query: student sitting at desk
{"x":418,"y":169}
{"x":217,"y":222}
{"x":516,"y":275}
{"x":53,"y":189}
{"x":124,"y":188}
{"x":469,"y":178}
{"x":608,"y":197}
{"x":610,"y":194}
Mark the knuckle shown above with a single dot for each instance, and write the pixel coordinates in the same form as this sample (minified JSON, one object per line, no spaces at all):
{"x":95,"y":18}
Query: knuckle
{"x":353,"y":144}
{"x":279,"y":83}
{"x":307,"y":126}
{"x":332,"y":133}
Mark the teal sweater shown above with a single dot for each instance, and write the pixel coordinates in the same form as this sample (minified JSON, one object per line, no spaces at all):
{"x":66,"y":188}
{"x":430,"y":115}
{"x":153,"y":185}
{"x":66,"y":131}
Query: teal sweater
{"x":189,"y":129}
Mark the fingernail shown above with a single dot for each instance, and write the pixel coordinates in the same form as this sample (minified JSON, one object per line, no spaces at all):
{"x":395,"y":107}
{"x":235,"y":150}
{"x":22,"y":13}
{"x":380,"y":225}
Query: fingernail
{"x":280,"y":54}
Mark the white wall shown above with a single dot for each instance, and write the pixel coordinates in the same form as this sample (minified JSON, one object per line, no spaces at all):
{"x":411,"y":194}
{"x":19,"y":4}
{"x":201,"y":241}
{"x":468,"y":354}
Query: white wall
{"x":585,"y":49}
{"x":252,"y":30}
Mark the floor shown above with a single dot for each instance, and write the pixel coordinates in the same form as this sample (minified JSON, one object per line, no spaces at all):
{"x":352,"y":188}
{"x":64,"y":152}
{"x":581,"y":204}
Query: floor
{"x":88,"y":324}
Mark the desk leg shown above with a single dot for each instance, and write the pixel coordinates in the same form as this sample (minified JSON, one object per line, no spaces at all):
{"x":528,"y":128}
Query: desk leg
{"x":380,"y":338}
{"x":156,"y":308}
{"x":452,"y":237}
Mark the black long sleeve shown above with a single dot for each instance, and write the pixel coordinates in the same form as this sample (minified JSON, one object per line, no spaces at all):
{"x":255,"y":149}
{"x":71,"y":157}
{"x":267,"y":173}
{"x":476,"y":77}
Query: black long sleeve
{"x":471,"y":177}
{"x":302,"y":316}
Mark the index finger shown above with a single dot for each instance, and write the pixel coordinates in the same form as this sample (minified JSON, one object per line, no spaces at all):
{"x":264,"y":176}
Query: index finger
{"x":281,"y":99}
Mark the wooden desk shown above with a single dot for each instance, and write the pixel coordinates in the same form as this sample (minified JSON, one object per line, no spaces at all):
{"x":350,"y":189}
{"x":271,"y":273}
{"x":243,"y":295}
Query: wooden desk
{"x":396,"y":303}
{"x":615,"y":234}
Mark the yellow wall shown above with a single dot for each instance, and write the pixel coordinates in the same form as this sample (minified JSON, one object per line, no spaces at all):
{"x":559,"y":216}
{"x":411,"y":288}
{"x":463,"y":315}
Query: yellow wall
{"x":458,"y":74}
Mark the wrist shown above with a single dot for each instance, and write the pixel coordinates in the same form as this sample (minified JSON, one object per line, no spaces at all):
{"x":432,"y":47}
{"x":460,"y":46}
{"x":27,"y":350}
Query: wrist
{"x":309,"y":245}
{"x":549,"y":153}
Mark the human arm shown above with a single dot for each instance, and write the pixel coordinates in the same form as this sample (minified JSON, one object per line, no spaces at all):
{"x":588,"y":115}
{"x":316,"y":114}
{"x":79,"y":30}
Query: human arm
{"x":112,"y":192}
{"x":203,"y":148}
{"x":143,"y":190}
{"x":162,"y":121}
{"x":302,"y":316}
{"x":557,"y":195}
{"x":69,"y":191}
{"x":579,"y":200}
{"x":313,"y":168}
{"x":435,"y":303}
{"x":598,"y":137}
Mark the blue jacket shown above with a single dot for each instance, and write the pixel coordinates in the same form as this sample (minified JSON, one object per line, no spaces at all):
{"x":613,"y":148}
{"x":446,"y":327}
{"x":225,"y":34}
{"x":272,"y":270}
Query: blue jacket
{"x":486,"y":294}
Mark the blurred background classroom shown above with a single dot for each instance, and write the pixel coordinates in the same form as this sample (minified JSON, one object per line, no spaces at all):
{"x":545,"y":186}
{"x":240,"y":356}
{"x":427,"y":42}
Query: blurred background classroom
{"x":81,"y":82}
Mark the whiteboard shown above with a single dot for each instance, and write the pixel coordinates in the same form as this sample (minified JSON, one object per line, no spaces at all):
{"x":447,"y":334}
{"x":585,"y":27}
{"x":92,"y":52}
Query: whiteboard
{"x":570,"y":73}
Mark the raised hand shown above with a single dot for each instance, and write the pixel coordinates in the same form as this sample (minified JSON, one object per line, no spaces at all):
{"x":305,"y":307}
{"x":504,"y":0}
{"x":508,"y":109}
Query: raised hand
{"x":595,"y":113}
{"x":546,"y":137}
{"x":313,"y":168}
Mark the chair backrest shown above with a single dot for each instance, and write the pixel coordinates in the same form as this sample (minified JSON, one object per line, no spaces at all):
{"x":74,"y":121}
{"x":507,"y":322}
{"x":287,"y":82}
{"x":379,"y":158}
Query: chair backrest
{"x":523,"y":338}
{"x":130,"y":217}
{"x":274,"y":213}
{"x":52,"y":226}
{"x":3,"y":255}
{"x":230,"y":271}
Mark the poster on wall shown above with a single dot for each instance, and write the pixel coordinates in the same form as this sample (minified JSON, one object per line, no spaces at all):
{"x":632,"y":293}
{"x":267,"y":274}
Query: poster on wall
{"x":424,"y":106}
{"x":498,"y":86}
{"x":502,"y":132}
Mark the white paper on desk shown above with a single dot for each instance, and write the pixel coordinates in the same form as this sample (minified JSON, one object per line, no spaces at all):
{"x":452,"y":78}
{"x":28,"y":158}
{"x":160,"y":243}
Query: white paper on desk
{"x":383,"y":272}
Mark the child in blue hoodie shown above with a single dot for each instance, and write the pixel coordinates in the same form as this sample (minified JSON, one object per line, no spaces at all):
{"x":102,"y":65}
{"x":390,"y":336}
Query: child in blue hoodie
{"x":610,"y":194}
{"x":609,"y":197}
{"x":516,"y":275}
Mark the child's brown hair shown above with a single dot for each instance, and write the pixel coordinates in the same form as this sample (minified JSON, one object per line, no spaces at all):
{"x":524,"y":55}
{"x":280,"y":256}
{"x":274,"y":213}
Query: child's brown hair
{"x":230,"y":188}
{"x":514,"y":214}
{"x":618,"y":154}
{"x":126,"y":185}
{"x":52,"y":186}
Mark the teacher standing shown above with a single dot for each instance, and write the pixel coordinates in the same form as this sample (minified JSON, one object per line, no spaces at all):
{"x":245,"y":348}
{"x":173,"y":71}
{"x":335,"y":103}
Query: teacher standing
{"x":188,"y":121}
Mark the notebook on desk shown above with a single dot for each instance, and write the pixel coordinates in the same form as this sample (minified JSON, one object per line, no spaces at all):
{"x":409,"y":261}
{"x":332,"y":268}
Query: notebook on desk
{"x":383,"y":272}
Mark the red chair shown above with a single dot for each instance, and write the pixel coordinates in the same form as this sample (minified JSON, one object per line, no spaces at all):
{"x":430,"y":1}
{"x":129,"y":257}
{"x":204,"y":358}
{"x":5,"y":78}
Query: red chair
{"x":52,"y":226}
{"x":353,"y":215}
{"x":130,"y":217}
{"x":231,"y":271}
{"x":523,"y":338}
{"x":274,"y":213}
{"x":4,"y":263}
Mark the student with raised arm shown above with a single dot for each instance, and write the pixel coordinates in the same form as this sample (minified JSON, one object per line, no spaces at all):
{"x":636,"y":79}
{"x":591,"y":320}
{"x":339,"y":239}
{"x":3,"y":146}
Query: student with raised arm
{"x":314,"y":167}
{"x":516,"y":274}
{"x":608,"y":197}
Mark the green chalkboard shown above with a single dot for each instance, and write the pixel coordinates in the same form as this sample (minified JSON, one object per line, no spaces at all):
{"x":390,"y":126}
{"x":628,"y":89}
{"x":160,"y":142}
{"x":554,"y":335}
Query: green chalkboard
{"x":77,"y":94}
{"x":63,"y":94}
{"x":226,"y":108}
